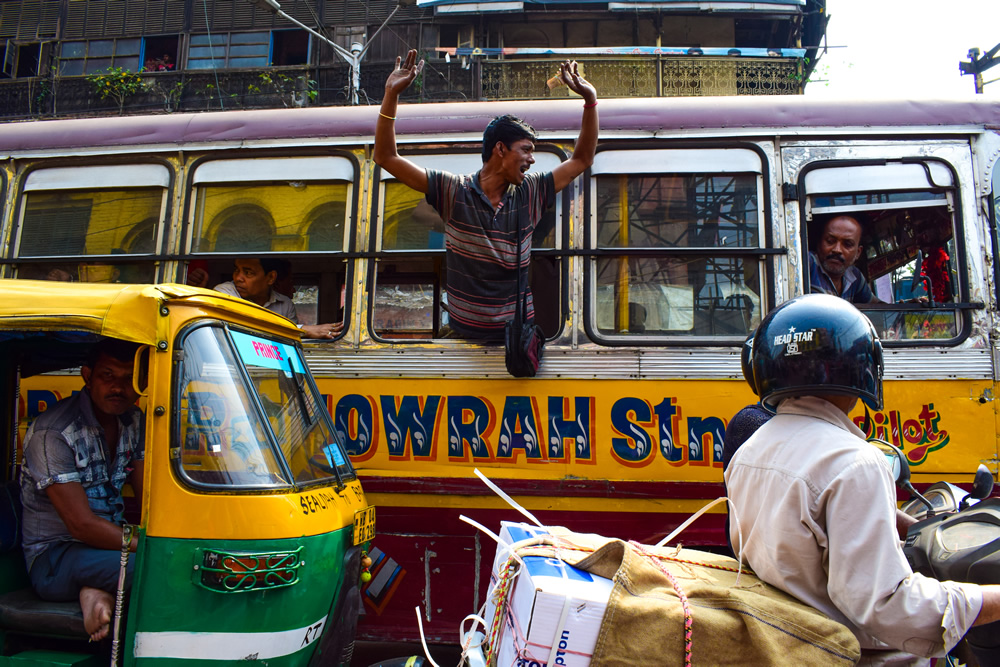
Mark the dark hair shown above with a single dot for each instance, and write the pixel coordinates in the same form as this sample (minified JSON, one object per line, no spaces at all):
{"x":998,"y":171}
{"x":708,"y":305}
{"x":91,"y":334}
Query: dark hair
{"x":273,"y":264}
{"x":284,"y":268}
{"x":119,"y":350}
{"x":508,"y":129}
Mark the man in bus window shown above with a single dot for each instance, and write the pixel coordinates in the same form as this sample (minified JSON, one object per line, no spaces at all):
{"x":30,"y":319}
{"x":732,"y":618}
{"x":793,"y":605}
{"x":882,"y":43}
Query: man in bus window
{"x":831,"y":267}
{"x":254,"y":279}
{"x":490,"y":215}
{"x":77,"y":456}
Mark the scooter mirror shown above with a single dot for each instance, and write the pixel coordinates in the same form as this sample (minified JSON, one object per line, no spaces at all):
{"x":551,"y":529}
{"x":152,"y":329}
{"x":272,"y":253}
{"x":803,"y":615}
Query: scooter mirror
{"x":895,"y":460}
{"x":982,"y":485}
{"x":901,"y":470}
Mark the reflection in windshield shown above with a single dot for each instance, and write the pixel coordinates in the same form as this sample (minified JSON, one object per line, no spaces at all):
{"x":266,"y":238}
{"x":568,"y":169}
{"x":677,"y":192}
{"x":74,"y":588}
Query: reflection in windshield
{"x":224,"y":441}
{"x":227,"y":440}
{"x":293,"y":409}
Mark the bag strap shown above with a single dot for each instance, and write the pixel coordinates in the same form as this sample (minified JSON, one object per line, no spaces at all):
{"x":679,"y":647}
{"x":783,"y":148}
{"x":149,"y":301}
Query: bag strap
{"x":521,"y":309}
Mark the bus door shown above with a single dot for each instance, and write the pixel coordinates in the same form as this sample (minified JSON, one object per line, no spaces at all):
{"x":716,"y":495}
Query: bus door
{"x":921,"y":241}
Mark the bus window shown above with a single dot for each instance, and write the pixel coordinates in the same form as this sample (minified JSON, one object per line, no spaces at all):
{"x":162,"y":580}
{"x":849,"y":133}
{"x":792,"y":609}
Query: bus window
{"x":409,"y":278}
{"x":297,"y":208}
{"x":679,"y":247}
{"x":92,"y":224}
{"x":910,"y":256}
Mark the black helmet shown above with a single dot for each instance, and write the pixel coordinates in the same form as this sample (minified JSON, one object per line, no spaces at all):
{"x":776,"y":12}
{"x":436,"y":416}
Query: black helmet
{"x":745,"y":362}
{"x":816,"y":344}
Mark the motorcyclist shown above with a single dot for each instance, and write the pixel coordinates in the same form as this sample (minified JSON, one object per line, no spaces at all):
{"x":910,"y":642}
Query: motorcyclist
{"x":816,"y":504}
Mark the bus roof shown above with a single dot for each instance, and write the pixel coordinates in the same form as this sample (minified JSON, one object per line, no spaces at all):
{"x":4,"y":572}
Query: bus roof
{"x":128,"y":312}
{"x":634,"y":115}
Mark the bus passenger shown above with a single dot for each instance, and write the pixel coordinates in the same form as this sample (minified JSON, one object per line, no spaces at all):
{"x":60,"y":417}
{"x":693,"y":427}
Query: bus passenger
{"x":831,"y":267}
{"x":254,"y":280}
{"x":490,"y":215}
{"x":77,"y":456}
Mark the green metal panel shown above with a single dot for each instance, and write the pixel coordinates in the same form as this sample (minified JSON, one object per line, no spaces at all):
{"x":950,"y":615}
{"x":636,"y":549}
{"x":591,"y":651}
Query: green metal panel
{"x":51,"y":659}
{"x":181,"y":615}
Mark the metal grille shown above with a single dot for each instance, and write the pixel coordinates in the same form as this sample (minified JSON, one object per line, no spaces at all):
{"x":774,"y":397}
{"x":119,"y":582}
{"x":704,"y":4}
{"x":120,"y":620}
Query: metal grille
{"x":632,"y":77}
{"x":707,"y":77}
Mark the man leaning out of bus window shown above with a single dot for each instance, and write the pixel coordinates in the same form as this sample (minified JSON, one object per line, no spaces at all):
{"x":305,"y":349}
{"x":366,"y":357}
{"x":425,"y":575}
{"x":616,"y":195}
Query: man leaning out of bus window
{"x":490,"y":215}
{"x":254,"y":279}
{"x":77,"y":456}
{"x":831,"y":267}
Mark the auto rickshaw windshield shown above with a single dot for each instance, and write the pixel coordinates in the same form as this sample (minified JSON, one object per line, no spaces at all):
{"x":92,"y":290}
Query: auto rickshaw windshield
{"x":249,"y":416}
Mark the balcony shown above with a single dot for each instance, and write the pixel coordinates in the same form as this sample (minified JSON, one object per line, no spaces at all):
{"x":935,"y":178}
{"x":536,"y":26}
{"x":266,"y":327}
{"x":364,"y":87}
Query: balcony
{"x":699,"y":76}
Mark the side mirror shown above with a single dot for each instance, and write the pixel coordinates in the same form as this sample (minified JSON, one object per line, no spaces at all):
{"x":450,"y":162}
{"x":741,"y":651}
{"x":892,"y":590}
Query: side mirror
{"x":982,"y":485}
{"x":896,"y":461}
{"x":900,"y":468}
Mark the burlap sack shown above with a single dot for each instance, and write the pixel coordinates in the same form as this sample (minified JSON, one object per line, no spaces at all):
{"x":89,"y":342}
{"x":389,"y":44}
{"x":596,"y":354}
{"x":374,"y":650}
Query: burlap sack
{"x":749,"y":624}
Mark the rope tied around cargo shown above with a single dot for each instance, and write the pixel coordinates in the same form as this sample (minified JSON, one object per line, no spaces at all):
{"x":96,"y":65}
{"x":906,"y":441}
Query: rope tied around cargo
{"x":688,"y":619}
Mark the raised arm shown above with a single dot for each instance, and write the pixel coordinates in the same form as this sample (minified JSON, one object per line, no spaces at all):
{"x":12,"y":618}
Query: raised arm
{"x":586,"y":143}
{"x":385,"y":153}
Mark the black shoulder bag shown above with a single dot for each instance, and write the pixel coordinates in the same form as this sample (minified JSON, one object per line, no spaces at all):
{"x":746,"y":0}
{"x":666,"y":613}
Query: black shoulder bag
{"x":523,"y":342}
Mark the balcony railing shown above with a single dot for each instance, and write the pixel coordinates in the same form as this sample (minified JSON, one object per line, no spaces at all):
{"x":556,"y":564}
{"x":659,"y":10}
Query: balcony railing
{"x":647,"y":77}
{"x":500,"y":80}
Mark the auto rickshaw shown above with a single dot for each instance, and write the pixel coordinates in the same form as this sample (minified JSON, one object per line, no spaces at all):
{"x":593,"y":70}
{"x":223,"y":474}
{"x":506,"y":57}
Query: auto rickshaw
{"x":252,"y":525}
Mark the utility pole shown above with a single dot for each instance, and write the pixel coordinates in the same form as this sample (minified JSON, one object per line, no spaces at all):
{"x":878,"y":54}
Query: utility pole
{"x":352,"y":57}
{"x":976,"y":66}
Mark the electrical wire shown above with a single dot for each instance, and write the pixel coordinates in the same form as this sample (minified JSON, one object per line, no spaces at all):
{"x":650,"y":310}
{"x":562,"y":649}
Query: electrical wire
{"x":215,"y":70}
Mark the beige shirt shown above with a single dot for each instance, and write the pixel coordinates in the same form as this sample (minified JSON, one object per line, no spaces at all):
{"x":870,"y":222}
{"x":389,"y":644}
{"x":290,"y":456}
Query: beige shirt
{"x":276,"y":303}
{"x":816,"y":507}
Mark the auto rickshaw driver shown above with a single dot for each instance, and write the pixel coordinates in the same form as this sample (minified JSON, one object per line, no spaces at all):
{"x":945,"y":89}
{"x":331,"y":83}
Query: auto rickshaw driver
{"x":77,"y":456}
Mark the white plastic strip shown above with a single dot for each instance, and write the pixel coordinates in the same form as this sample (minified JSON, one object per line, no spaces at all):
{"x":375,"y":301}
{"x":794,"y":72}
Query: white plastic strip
{"x":690,"y":520}
{"x":276,"y":169}
{"x":496,"y":538}
{"x":423,"y":639}
{"x":84,"y":178}
{"x":229,"y":646}
{"x":510,"y":501}
{"x":561,"y":625}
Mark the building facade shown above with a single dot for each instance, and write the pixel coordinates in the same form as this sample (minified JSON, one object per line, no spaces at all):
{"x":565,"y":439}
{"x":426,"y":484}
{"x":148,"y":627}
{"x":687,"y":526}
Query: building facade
{"x":71,"y":57}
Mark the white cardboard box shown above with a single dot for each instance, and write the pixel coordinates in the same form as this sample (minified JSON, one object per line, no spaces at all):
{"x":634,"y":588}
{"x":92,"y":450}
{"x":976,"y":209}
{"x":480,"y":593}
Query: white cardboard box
{"x":545,"y":589}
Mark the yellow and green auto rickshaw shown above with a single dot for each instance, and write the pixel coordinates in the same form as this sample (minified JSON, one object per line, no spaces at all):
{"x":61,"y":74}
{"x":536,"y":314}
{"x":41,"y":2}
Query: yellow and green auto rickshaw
{"x":252,"y":524}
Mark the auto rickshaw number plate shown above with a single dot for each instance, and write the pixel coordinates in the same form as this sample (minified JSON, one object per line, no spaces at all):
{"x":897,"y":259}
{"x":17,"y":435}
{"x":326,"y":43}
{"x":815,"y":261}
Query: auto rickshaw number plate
{"x":364,"y":525}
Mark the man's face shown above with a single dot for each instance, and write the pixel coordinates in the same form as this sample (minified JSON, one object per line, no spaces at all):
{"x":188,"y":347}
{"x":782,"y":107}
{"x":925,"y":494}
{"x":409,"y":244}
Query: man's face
{"x":517,"y":159}
{"x":839,"y":246}
{"x":252,"y":282}
{"x":110,"y":385}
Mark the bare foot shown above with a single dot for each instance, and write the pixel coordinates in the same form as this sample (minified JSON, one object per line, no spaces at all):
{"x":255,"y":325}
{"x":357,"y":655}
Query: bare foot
{"x":97,"y":606}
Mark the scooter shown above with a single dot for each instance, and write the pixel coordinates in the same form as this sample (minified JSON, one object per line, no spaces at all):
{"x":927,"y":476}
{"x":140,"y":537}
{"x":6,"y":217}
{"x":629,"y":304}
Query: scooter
{"x":956,"y":538}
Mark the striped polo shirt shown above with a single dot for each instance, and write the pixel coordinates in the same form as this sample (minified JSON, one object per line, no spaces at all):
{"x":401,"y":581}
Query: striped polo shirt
{"x":483,"y":248}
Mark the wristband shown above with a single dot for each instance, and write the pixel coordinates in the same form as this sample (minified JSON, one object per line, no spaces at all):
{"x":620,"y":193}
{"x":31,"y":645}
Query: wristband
{"x":384,"y":116}
{"x":590,"y":106}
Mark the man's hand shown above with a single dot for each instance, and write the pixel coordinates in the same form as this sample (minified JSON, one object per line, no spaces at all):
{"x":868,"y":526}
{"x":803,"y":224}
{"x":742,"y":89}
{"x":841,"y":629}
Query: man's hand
{"x":404,"y":73}
{"x":570,"y":75}
{"x":197,"y":277}
{"x":322,"y":331}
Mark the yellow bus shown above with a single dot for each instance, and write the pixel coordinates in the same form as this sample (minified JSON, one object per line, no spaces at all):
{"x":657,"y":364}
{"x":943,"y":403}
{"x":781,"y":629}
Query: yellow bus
{"x":649,"y":272}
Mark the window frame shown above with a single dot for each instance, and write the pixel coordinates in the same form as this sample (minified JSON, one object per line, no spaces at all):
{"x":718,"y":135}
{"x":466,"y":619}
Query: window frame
{"x":435,"y":158}
{"x":953,"y":201}
{"x":764,"y":252}
{"x":128,"y":177}
{"x":86,"y":58}
{"x":336,"y":480}
{"x":227,"y":57}
{"x":352,"y":209}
